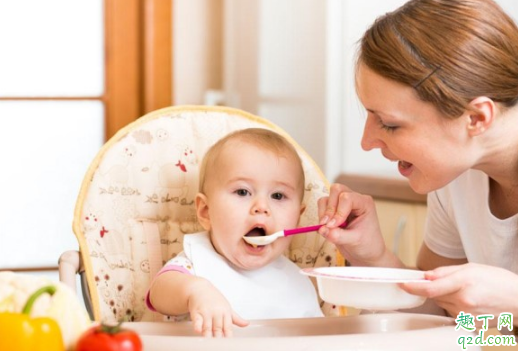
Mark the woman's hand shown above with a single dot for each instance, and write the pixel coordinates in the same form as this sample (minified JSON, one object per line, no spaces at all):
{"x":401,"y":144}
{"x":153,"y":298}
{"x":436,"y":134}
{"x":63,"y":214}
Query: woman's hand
{"x":471,"y":288}
{"x":211,"y":313}
{"x":361,"y":242}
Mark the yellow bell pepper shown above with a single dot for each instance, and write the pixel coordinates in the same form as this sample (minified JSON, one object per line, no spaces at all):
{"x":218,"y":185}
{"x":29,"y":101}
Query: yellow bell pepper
{"x":20,"y":332}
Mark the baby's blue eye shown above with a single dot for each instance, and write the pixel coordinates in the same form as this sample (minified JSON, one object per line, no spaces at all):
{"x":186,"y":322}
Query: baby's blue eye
{"x":277,"y":196}
{"x":242,"y":192}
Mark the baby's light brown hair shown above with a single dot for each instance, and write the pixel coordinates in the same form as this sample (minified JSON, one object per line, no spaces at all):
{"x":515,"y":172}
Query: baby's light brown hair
{"x":263,"y":138}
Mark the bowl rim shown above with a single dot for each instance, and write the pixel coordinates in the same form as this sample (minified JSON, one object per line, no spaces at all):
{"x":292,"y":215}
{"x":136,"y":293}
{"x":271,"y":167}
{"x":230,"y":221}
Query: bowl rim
{"x":355,"y":274}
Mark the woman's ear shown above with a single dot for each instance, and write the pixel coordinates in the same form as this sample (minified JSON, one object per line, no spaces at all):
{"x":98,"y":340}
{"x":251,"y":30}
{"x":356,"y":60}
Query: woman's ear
{"x":202,"y":210}
{"x":481,"y":115}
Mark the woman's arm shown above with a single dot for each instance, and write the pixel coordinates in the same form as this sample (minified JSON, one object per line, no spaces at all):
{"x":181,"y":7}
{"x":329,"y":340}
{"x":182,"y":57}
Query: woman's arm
{"x":428,"y":260}
{"x":471,"y":288}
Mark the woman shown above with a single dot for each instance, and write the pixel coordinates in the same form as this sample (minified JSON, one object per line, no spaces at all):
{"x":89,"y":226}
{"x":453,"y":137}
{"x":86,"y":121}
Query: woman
{"x":439,"y":82}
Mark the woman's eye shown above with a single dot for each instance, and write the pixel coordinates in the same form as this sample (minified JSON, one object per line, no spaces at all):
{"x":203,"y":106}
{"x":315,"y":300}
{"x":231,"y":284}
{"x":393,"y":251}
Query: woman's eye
{"x":388,"y":128}
{"x":242,"y":192}
{"x":277,"y":196}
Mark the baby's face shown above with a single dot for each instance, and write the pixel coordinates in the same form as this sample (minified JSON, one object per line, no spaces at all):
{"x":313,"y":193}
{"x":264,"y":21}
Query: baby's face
{"x":252,"y":190}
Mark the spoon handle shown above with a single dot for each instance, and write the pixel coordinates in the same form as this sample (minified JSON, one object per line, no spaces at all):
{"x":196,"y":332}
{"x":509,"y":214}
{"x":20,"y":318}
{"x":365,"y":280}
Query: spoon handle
{"x":313,"y":228}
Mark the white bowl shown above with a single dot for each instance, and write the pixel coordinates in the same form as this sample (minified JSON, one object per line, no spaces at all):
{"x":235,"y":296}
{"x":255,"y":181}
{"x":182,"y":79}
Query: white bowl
{"x":369,"y":288}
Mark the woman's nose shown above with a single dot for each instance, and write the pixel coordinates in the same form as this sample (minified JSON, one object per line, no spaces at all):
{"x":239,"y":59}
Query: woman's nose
{"x":370,"y":138}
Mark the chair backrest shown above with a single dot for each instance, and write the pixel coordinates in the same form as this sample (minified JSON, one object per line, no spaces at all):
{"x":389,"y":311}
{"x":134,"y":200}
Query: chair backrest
{"x":137,"y":201}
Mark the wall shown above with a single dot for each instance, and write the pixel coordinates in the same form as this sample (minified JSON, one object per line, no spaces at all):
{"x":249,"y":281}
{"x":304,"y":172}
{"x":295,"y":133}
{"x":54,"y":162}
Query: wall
{"x":275,"y":65}
{"x":357,"y":17}
{"x":274,"y":62}
{"x":197,"y":49}
{"x":285,"y":61}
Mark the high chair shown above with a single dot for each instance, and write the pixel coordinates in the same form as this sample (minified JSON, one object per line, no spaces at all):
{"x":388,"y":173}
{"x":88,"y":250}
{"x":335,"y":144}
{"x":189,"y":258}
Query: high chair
{"x":137,"y":201}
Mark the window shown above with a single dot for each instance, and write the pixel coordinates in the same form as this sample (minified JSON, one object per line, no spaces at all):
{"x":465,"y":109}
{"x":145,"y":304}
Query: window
{"x":72,"y":74}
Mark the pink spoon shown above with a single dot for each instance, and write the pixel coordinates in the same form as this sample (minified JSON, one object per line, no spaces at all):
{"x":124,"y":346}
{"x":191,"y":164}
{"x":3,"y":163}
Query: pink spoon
{"x":268,"y":239}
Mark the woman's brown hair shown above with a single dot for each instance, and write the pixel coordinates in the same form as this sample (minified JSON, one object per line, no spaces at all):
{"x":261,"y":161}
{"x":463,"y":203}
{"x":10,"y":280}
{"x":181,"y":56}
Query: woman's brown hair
{"x":450,"y":51}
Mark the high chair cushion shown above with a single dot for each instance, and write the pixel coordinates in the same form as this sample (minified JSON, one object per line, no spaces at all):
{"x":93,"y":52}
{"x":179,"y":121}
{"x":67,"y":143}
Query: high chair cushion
{"x":137,"y":201}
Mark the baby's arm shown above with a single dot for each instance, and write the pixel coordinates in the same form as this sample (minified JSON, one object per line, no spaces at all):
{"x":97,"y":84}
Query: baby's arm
{"x":175,"y":293}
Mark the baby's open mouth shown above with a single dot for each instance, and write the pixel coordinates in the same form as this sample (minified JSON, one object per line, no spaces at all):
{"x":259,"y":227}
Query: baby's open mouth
{"x":256,"y":232}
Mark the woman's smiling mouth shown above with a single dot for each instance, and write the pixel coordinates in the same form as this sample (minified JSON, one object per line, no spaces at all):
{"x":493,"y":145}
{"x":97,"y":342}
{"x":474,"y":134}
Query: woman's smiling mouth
{"x":405,"y":168}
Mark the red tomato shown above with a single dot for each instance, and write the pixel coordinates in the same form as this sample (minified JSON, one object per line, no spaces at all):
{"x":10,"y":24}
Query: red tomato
{"x":109,"y":338}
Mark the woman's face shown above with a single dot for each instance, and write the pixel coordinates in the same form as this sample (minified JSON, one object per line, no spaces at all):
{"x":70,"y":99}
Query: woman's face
{"x":430,"y":150}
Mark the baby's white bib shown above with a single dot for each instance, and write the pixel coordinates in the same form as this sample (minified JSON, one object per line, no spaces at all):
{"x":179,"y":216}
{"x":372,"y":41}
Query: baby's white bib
{"x":275,"y":291}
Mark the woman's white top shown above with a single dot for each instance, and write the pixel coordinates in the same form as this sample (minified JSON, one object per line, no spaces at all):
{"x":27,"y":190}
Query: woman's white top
{"x":460,"y":224}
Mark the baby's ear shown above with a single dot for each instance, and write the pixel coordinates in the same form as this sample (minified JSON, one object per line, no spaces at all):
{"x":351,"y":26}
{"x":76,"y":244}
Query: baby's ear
{"x":302,"y":208}
{"x":202,"y":211}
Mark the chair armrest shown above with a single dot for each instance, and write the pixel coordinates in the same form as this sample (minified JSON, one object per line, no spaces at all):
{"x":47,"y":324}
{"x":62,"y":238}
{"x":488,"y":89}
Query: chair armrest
{"x":70,"y":264}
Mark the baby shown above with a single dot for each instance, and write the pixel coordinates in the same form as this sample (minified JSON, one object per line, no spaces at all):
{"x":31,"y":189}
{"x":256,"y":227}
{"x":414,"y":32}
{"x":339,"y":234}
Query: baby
{"x":251,"y":183}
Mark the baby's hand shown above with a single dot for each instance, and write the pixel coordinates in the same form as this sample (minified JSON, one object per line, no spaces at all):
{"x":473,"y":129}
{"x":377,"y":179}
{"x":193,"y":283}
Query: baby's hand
{"x":212,"y":315}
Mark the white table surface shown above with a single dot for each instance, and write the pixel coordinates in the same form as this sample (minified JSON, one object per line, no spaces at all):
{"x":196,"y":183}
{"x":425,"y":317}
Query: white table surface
{"x":388,"y":331}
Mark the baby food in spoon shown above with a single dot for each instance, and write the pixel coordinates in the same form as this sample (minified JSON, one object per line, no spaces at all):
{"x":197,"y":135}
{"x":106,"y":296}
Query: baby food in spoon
{"x":268,"y":239}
